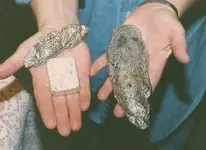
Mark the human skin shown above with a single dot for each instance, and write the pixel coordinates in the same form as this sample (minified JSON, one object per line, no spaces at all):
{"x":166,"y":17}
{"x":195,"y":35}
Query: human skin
{"x":162,"y":33}
{"x":61,"y":112}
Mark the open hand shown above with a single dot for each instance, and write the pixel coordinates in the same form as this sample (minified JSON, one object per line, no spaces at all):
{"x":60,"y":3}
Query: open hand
{"x":162,"y":33}
{"x":61,"y":112}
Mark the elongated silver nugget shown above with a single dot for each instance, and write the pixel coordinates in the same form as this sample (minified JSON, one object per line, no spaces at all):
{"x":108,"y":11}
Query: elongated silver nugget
{"x":128,"y":69}
{"x":54,"y":43}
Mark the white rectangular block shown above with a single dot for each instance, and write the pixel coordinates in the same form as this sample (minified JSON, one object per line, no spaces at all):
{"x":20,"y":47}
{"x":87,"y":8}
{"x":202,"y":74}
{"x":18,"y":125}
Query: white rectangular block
{"x":63,"y":76}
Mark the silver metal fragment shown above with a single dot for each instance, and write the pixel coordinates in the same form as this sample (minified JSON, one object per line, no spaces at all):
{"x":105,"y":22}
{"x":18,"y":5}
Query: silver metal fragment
{"x":128,"y":62}
{"x":54,"y":43}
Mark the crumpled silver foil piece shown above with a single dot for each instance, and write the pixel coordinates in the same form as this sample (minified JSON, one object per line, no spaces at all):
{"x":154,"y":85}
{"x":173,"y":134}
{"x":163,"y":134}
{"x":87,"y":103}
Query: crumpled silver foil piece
{"x":128,"y":62}
{"x":54,"y":43}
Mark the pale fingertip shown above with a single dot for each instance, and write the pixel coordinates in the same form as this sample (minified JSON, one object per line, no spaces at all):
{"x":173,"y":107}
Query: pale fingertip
{"x":118,"y":114}
{"x":118,"y":111}
{"x":85,"y":98}
{"x":64,"y":131}
{"x":92,"y":73}
{"x":76,"y":126}
{"x":47,"y":115}
{"x":44,"y":104}
{"x":74,"y":111}
{"x":84,"y":107}
{"x":94,"y":69}
{"x":102,"y":96}
{"x":187,"y":59}
{"x":98,"y":65}
{"x":7,"y":69}
{"x":50,"y":124}
{"x":76,"y":123}
{"x":105,"y":90}
{"x":183,"y":59}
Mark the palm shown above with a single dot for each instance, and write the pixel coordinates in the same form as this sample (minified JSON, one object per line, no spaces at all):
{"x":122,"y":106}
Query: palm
{"x":61,"y":112}
{"x":82,"y":56}
{"x":162,"y":34}
{"x":53,"y":109}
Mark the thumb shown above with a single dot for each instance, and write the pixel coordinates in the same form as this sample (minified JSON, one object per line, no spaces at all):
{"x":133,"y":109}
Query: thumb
{"x":16,"y":61}
{"x":100,"y":63}
{"x":179,"y":45}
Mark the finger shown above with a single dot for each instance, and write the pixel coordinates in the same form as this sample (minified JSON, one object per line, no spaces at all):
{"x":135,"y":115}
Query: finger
{"x":74,"y":111}
{"x":156,"y":66}
{"x":44,"y":104}
{"x":179,"y":45}
{"x":62,"y":115}
{"x":85,"y":94}
{"x":16,"y":61}
{"x":105,"y":90}
{"x":118,"y":111}
{"x":100,"y":63}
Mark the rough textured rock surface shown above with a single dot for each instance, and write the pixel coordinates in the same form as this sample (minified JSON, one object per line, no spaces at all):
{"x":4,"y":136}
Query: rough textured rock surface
{"x":128,"y":69}
{"x":54,"y":43}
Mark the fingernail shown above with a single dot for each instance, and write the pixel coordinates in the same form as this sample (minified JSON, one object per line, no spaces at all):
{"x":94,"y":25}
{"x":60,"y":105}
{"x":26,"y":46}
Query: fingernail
{"x":76,"y":127}
{"x":187,"y":59}
{"x":84,"y":107}
{"x":91,"y":73}
{"x":64,"y":131}
{"x":50,"y":124}
{"x":119,"y":115}
{"x":102,"y":97}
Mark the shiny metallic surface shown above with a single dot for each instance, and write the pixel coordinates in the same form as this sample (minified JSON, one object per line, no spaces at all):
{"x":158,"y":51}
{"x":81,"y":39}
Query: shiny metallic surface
{"x":54,"y":43}
{"x":128,"y":69}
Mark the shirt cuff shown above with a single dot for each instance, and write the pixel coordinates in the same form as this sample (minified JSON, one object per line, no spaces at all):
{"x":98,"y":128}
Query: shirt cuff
{"x":22,"y":2}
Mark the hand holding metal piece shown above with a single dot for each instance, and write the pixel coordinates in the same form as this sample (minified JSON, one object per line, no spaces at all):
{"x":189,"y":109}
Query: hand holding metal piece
{"x":128,"y":61}
{"x":54,"y":43}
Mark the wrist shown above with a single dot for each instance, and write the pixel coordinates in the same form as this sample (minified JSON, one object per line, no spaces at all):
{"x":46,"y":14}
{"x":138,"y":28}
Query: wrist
{"x":177,"y":6}
{"x":56,"y":23}
{"x":55,"y":14}
{"x":162,"y":3}
{"x":181,"y":5}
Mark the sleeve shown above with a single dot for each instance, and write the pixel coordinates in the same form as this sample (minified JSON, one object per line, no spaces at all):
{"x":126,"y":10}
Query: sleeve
{"x":22,"y":2}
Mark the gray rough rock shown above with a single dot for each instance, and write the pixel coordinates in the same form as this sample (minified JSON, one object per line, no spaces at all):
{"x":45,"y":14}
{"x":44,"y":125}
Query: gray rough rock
{"x":54,"y":43}
{"x":128,"y":69}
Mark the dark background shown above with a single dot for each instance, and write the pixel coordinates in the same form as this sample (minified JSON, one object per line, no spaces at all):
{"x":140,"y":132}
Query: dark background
{"x":17,"y":23}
